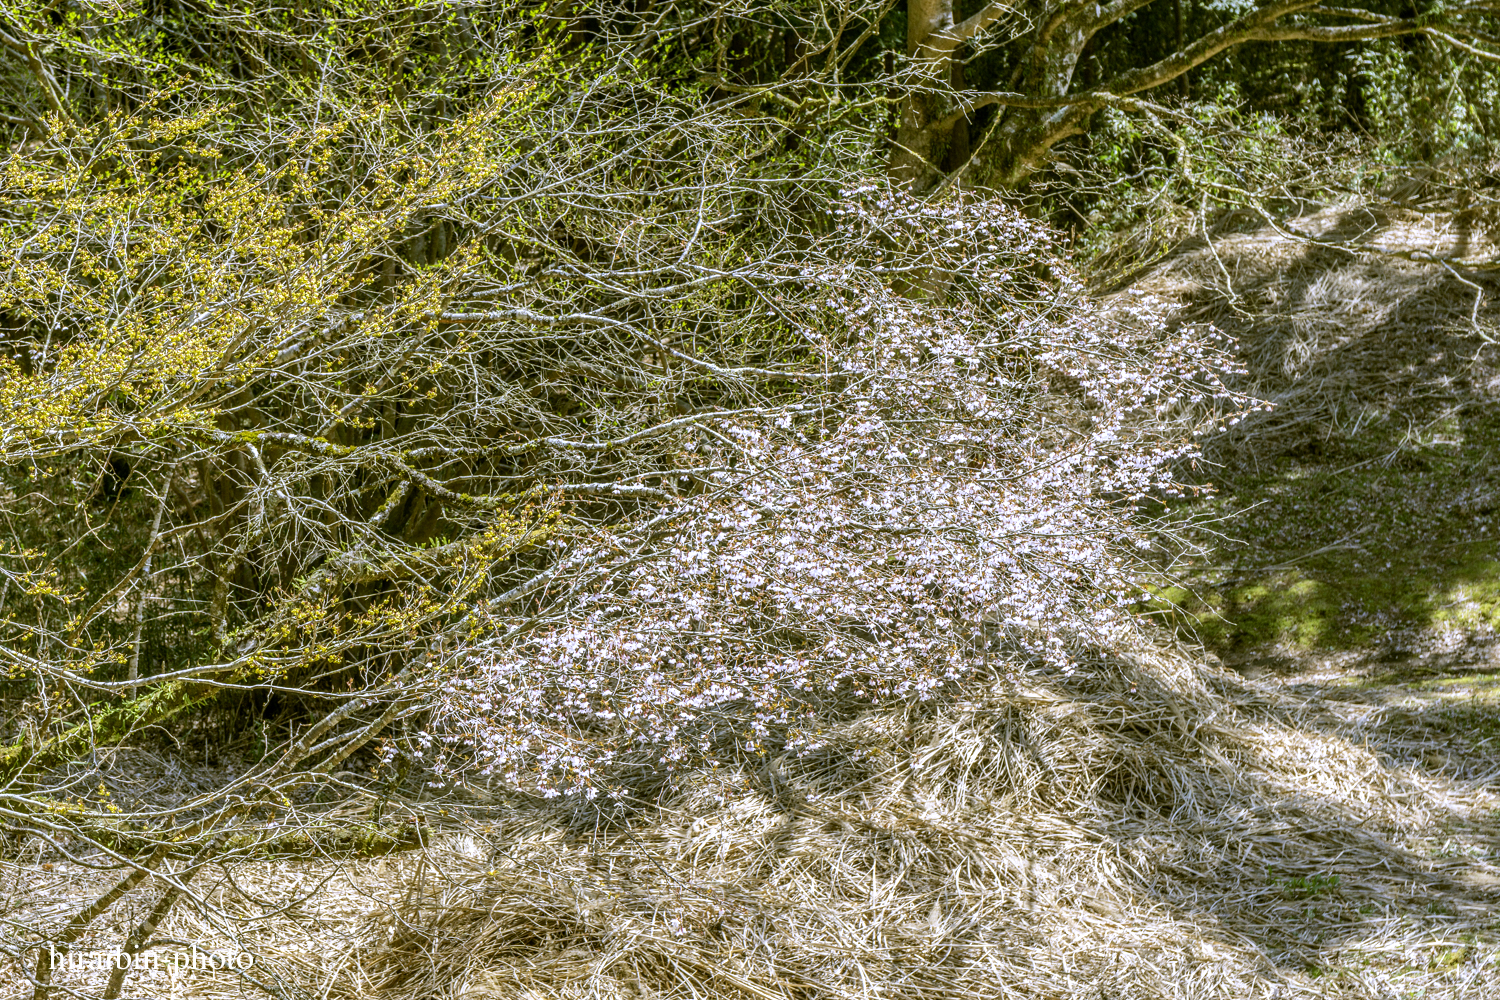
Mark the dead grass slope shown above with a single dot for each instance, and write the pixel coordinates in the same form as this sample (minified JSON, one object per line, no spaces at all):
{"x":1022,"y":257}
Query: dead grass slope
{"x":1362,"y":512}
{"x":1156,"y":828}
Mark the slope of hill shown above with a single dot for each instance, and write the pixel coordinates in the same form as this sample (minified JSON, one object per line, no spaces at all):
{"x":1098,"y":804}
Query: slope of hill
{"x":1361,"y":514}
{"x":1318,"y":817}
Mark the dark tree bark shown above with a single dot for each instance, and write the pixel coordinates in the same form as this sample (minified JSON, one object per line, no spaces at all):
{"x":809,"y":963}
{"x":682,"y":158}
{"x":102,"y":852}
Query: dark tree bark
{"x":1041,"y":105}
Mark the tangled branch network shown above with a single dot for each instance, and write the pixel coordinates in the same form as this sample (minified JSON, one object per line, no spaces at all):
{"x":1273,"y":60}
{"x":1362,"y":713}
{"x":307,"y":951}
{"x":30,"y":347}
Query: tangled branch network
{"x":960,"y":455}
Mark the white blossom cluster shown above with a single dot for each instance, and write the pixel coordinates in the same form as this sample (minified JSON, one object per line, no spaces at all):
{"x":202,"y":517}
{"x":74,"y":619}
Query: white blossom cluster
{"x":968,"y":467}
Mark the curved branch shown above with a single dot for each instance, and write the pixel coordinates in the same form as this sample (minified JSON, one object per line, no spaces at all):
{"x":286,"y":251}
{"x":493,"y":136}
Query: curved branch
{"x":977,"y":23}
{"x":1243,"y":29}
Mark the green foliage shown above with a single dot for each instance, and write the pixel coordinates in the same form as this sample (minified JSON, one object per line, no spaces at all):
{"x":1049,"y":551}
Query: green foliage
{"x":1269,"y":128}
{"x":1308,"y":886}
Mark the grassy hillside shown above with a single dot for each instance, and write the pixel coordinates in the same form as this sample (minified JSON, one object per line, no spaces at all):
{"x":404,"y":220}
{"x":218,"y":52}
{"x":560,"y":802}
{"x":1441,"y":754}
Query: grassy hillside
{"x":1364,"y":510}
{"x":1319,"y":818}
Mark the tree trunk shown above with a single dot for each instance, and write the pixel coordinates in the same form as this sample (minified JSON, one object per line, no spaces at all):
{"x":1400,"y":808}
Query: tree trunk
{"x":932,"y":137}
{"x":1023,"y":137}
{"x":926,"y":123}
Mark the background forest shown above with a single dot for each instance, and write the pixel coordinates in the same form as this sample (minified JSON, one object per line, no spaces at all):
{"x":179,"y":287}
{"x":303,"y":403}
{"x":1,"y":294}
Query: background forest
{"x":746,"y":498}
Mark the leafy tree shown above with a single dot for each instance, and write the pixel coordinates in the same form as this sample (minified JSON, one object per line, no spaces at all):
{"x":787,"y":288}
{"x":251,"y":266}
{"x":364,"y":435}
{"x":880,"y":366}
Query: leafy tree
{"x":1037,"y":89}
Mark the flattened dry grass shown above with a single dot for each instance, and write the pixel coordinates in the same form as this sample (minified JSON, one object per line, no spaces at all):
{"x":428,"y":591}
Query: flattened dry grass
{"x":1155,"y":828}
{"x":1149,"y":829}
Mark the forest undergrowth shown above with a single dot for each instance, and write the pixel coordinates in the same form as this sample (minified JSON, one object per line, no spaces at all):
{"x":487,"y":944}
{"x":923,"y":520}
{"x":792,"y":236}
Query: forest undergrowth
{"x":597,"y":500}
{"x":1306,"y":807}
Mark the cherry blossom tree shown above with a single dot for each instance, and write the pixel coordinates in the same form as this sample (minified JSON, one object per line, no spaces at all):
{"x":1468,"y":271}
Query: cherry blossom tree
{"x":952,"y":468}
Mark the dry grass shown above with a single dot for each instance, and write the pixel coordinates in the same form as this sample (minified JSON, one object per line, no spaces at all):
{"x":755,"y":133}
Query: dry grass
{"x":1359,"y":512}
{"x":1146,"y":829}
{"x":1330,"y":336}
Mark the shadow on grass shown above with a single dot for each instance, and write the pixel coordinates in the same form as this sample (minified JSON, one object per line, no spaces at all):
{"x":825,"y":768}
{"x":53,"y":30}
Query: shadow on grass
{"x":1366,"y":505}
{"x":1150,"y":828}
